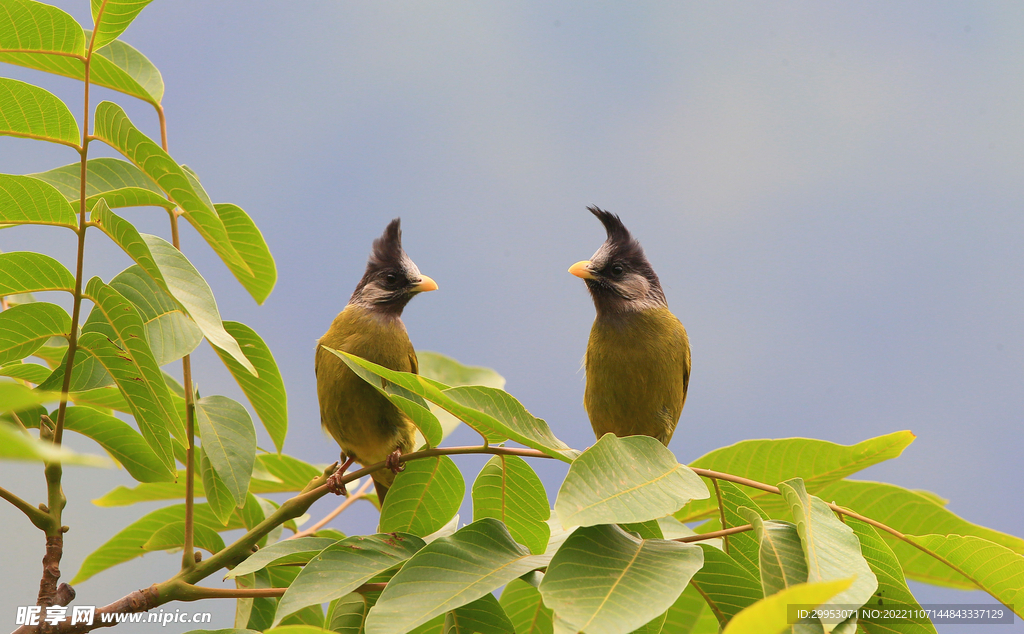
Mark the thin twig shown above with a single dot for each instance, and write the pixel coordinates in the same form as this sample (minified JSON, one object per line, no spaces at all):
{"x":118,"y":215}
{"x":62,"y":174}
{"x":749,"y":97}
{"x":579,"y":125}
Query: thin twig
{"x":360,"y":493}
{"x":721,"y":514}
{"x":40,"y":519}
{"x":713,"y":534}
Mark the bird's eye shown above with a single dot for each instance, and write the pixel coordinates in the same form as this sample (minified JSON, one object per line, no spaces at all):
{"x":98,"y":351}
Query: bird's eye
{"x":617,"y":270}
{"x":390,"y":279}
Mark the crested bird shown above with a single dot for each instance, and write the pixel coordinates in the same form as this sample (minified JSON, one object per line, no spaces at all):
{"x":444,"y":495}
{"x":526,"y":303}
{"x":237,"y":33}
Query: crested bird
{"x":638,"y":356}
{"x":367,"y":426}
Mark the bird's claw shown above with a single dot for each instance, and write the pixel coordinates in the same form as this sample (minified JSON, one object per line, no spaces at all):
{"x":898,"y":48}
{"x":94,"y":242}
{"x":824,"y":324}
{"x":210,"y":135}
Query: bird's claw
{"x":334,"y":481}
{"x":393,"y":461}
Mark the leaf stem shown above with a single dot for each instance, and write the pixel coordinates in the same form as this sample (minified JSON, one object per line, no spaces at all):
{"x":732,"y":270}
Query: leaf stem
{"x":721,"y":515}
{"x":713,"y":534}
{"x":40,"y":519}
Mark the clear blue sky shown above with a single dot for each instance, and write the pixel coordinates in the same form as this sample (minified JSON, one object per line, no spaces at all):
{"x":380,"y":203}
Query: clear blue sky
{"x":830,"y":192}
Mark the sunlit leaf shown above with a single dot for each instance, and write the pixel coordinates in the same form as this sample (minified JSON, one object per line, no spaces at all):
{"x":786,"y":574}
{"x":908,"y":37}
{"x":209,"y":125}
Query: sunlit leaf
{"x":423,"y":497}
{"x":170,"y":332}
{"x":725,"y":584}
{"x":28,"y":200}
{"x":103,"y":176}
{"x":28,"y":272}
{"x":123,"y":68}
{"x":343,"y":567}
{"x":449,"y":573}
{"x":121,"y":441}
{"x":771,"y":615}
{"x":15,"y":445}
{"x":632,"y":479}
{"x":525,"y":608}
{"x":217,"y":494}
{"x":40,"y":28}
{"x":450,"y":372}
{"x":690,"y":615}
{"x":27,"y":327}
{"x":291,"y":551}
{"x":229,"y":441}
{"x":28,"y":372}
{"x":605,"y":581}
{"x":111,"y":17}
{"x":30,"y":112}
{"x":508,"y":490}
{"x":247,"y":240}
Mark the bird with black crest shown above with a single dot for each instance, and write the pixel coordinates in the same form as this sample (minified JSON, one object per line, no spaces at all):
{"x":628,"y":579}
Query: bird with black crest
{"x":638,"y":356}
{"x":366,"y":425}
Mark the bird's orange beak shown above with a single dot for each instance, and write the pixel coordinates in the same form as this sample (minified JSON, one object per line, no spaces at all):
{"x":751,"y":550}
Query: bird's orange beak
{"x":425,"y":284}
{"x":582,"y":270}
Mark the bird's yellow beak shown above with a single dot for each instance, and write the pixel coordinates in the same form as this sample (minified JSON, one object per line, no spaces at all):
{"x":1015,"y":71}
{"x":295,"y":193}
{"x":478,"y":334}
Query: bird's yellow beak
{"x":582,"y":269}
{"x":425,"y":284}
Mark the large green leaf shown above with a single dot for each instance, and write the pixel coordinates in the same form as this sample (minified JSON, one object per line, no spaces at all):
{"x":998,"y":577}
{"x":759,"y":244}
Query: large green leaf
{"x":28,"y":272}
{"x":492,"y":412}
{"x":26,"y":327}
{"x":632,"y":479}
{"x":830,"y":547}
{"x":16,"y":445}
{"x":132,"y":365}
{"x":994,"y":568}
{"x":191,"y":290}
{"x":121,"y":441}
{"x":111,"y":17}
{"x":743,"y":547}
{"x":128,"y":543}
{"x":28,"y":200}
{"x":28,"y":372}
{"x":103,"y":176}
{"x":483,"y":616}
{"x":265,"y":390}
{"x":347,"y":615}
{"x":771,"y":615}
{"x":343,"y":567}
{"x":40,"y":28}
{"x":690,"y":615}
{"x":290,"y":551}
{"x":606,"y":581}
{"x":126,"y":236}
{"x":915,"y":514}
{"x":229,"y":440}
{"x":260,"y":276}
{"x":507,"y":489}
{"x":30,"y":112}
{"x":523,"y":605}
{"x":449,"y":573}
{"x":725,"y":584}
{"x":423,"y":497}
{"x":87,"y":374}
{"x":448,"y":371}
{"x":114,"y":128}
{"x":816,"y":461}
{"x":170,"y":332}
{"x":172,"y":536}
{"x":123,"y":68}
{"x":893,"y":593}
{"x":217,"y":494}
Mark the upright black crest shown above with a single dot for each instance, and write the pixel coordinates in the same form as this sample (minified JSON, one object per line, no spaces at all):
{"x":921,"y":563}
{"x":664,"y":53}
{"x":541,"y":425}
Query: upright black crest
{"x":617,"y":232}
{"x":387,"y":249}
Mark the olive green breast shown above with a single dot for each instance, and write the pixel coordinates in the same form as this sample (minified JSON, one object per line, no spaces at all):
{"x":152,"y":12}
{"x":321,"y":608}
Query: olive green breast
{"x":638,"y":369}
{"x":366,"y":425}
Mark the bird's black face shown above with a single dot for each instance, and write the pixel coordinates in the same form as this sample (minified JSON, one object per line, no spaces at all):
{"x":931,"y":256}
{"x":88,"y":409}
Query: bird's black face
{"x":618,"y":276}
{"x":391,"y":278}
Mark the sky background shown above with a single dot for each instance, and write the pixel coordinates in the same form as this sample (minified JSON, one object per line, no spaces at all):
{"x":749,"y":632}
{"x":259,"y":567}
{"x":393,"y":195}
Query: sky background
{"x":830,"y":193}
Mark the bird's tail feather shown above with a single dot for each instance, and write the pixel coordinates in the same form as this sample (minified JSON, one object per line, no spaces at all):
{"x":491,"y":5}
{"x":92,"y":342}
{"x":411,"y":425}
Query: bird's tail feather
{"x":382,"y":490}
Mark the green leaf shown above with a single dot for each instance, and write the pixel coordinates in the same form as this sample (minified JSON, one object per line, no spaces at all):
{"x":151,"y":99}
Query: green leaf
{"x":15,"y":397}
{"x":29,"y":372}
{"x":770,"y":615}
{"x":114,"y":128}
{"x":27,"y":200}
{"x":915,"y":514}
{"x":725,"y":584}
{"x":125,"y":444}
{"x":229,"y":440}
{"x":265,"y":390}
{"x":343,"y":567}
{"x":605,"y":581}
{"x":493,"y":413}
{"x":816,"y":461}
{"x":743,"y":547}
{"x":171,"y":536}
{"x":483,"y":616}
{"x":87,"y":374}
{"x":893,"y":592}
{"x":27,"y":327}
{"x":423,"y":497}
{"x":525,"y":608}
{"x":191,"y":290}
{"x":33,"y":26}
{"x":102,"y":398}
{"x":217,"y":494}
{"x":830,"y":547}
{"x":30,"y":112}
{"x":123,"y":68}
{"x":111,"y":17}
{"x":632,"y":479}
{"x":297,"y":629}
{"x":130,"y":541}
{"x":169,"y":330}
{"x":782,"y":560}
{"x":507,"y":489}
{"x":290,"y":551}
{"x":103,"y":176}
{"x":994,"y":568}
{"x":15,"y":445}
{"x":126,"y":236}
{"x":347,"y":615}
{"x":448,"y":371}
{"x":690,"y":615}
{"x":449,"y":573}
{"x":260,"y":274}
{"x":28,"y":272}
{"x":132,"y":365}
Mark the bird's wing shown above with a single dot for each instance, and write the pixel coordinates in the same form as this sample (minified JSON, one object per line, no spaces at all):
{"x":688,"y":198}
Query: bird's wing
{"x":414,"y":363}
